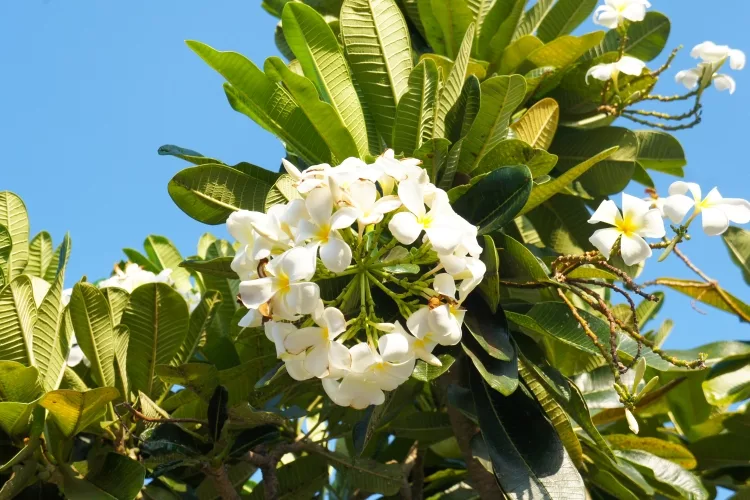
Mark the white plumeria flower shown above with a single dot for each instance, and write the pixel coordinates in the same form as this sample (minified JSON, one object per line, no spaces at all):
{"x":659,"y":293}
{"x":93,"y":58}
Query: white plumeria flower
{"x":134,"y":276}
{"x":637,"y":221}
{"x":615,"y":12}
{"x":324,"y":356}
{"x":439,"y":223}
{"x":363,"y":196}
{"x":277,"y":333}
{"x":286,"y":285}
{"x":691,"y":78}
{"x":440,"y":324}
{"x":240,"y":227}
{"x":393,"y":170}
{"x":372,"y":372}
{"x":311,"y":178}
{"x":276,"y":229}
{"x":422,"y":348}
{"x":711,"y":53}
{"x":470,"y":277}
{"x":605,"y":72}
{"x":716,"y":211}
{"x":322,"y":229}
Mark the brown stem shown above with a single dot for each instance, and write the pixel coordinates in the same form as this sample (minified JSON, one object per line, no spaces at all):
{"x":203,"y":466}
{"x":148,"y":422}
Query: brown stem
{"x":143,"y":417}
{"x":417,"y":476}
{"x":406,"y":469}
{"x":222,"y":483}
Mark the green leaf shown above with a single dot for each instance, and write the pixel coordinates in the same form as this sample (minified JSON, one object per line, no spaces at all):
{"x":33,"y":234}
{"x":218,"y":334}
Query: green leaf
{"x":18,"y":383}
{"x":74,"y":411}
{"x":538,"y":125}
{"x":122,"y":340}
{"x":660,"y":151}
{"x":528,"y":458}
{"x":517,"y":52}
{"x":15,"y":418}
{"x":433,"y":31}
{"x":496,"y":199}
{"x":157,"y":317}
{"x":564,"y":18}
{"x":454,"y":18}
{"x":427,"y":373}
{"x":210,"y":193}
{"x":459,"y":119}
{"x":490,"y":285}
{"x":15,"y":220}
{"x":322,"y":61}
{"x":517,"y":152}
{"x":137,"y":257}
{"x":417,"y":109}
{"x":454,"y":83}
{"x":18,"y":314}
{"x":200,"y":319}
{"x":219,"y":267}
{"x":728,"y":381}
{"x":162,"y":251}
{"x":738,"y":243}
{"x":611,"y":176}
{"x":5,"y":248}
{"x":118,"y":300}
{"x":434,"y":156}
{"x":562,"y":224}
{"x":228,"y":287}
{"x":246,"y":417}
{"x":500,"y":24}
{"x":283,"y":190}
{"x":501,"y":96}
{"x":544,"y":192}
{"x":92,"y":322}
{"x":40,"y":255}
{"x":502,"y":376}
{"x":267,"y":103}
{"x":116,"y":475}
{"x":188,"y":155}
{"x":533,"y":17}
{"x":200,"y":378}
{"x":666,"y":473}
{"x":365,"y":474}
{"x":565,"y":50}
{"x":708,"y":294}
{"x":490,"y":330}
{"x":646,"y":39}
{"x":321,"y":114}
{"x":554,"y":412}
{"x":302,"y":478}
{"x":664,"y":449}
{"x":425,"y":427}
{"x":218,"y":414}
{"x":377,"y":44}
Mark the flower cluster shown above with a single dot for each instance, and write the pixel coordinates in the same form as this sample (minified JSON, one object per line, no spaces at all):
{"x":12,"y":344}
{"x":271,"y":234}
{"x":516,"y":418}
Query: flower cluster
{"x":712,"y":58}
{"x":641,"y":219}
{"x":352,"y":220}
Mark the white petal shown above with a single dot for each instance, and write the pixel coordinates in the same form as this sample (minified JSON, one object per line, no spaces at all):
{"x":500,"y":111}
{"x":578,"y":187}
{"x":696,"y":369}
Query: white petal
{"x":689,"y":77}
{"x":602,"y":72}
{"x":304,"y":338}
{"x":319,"y":205}
{"x":632,"y":422}
{"x":394,"y":348}
{"x":634,"y":249}
{"x":302,"y":297}
{"x":443,"y":237}
{"x":240,"y":225}
{"x":295,"y":368}
{"x":604,"y":239}
{"x":336,"y":254}
{"x":75,"y":356}
{"x":334,"y":320}
{"x":445,"y":285}
{"x":363,"y":194}
{"x":444,"y":325}
{"x":252,"y":319}
{"x":293,"y":171}
{"x":360,"y":392}
{"x":634,"y":12}
{"x":387,"y":204}
{"x":606,"y":16}
{"x":344,"y":217}
{"x":362,"y":357}
{"x":405,"y":228}
{"x":715,"y":221}
{"x":316,"y":361}
{"x":724,"y":82}
{"x":631,"y":65}
{"x":737,"y":59}
{"x":256,"y":292}
{"x":411,"y":194}
{"x":737,"y":210}
{"x":681,"y":187}
{"x":418,"y":323}
{"x":652,"y":225}
{"x":607,"y":213}
{"x":634,"y":208}
{"x":333,"y":389}
{"x":710,"y":52}
{"x":677,"y":206}
{"x":713,"y":198}
{"x":452,"y":263}
{"x":296,"y":264}
{"x":391,"y":375}
{"x":339,"y":360}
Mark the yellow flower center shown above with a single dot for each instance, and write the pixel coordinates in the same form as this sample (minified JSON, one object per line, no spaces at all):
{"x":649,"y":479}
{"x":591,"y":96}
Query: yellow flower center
{"x":323,"y":233}
{"x":324,"y":333}
{"x":425,"y":221}
{"x":283,"y":281}
{"x":626,"y":225}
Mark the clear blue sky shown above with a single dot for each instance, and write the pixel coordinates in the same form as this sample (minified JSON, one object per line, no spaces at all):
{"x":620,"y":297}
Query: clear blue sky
{"x":92,"y":88}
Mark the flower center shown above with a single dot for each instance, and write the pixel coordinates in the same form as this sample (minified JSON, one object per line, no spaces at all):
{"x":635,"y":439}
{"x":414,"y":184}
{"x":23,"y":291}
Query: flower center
{"x":627,"y":226}
{"x":323,"y":233}
{"x":425,"y":221}
{"x":324,"y":333}
{"x":284,"y":282}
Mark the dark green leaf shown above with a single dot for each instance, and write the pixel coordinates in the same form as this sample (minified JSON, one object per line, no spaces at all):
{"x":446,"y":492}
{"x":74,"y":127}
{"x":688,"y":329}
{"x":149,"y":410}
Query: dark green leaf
{"x":459,"y":119}
{"x":217,"y":411}
{"x":216,"y":267}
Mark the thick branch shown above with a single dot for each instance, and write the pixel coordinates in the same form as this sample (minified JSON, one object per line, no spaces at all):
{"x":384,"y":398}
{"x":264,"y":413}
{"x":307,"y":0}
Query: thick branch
{"x":222,"y":483}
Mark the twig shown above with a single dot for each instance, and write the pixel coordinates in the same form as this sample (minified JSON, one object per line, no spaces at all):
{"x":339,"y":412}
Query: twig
{"x":417,"y":476}
{"x":143,"y":417}
{"x":406,"y":468}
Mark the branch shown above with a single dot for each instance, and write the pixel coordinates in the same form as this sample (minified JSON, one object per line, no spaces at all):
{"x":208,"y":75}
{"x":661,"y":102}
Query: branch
{"x":222,"y":483}
{"x":417,"y":476}
{"x":141,"y":416}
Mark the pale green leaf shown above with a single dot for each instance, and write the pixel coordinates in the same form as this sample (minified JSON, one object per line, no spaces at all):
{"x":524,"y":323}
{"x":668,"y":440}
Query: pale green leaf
{"x":517,"y":52}
{"x":432,"y":29}
{"x":92,"y":321}
{"x":14,"y":218}
{"x":660,"y":151}
{"x":646,"y":39}
{"x":454,"y":82}
{"x":532,"y":18}
{"x":40,"y":255}
{"x":564,"y":17}
{"x":454,"y":18}
{"x":200,"y":319}
{"x":74,"y":411}
{"x":564,"y":51}
{"x":415,"y":114}
{"x":538,"y":125}
{"x":18,"y":314}
{"x":738,"y":243}
{"x":517,"y":152}
{"x":162,"y":251}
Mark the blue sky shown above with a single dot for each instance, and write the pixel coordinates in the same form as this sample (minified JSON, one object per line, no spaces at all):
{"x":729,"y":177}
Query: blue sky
{"x":93,"y":88}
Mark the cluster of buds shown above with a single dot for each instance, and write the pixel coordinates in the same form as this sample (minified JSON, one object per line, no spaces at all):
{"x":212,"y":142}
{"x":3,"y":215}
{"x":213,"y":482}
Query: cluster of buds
{"x":364,"y":221}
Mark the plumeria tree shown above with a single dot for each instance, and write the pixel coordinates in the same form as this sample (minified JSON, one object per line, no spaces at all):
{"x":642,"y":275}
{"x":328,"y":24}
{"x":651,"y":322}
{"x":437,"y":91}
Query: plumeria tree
{"x":434,"y":295}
